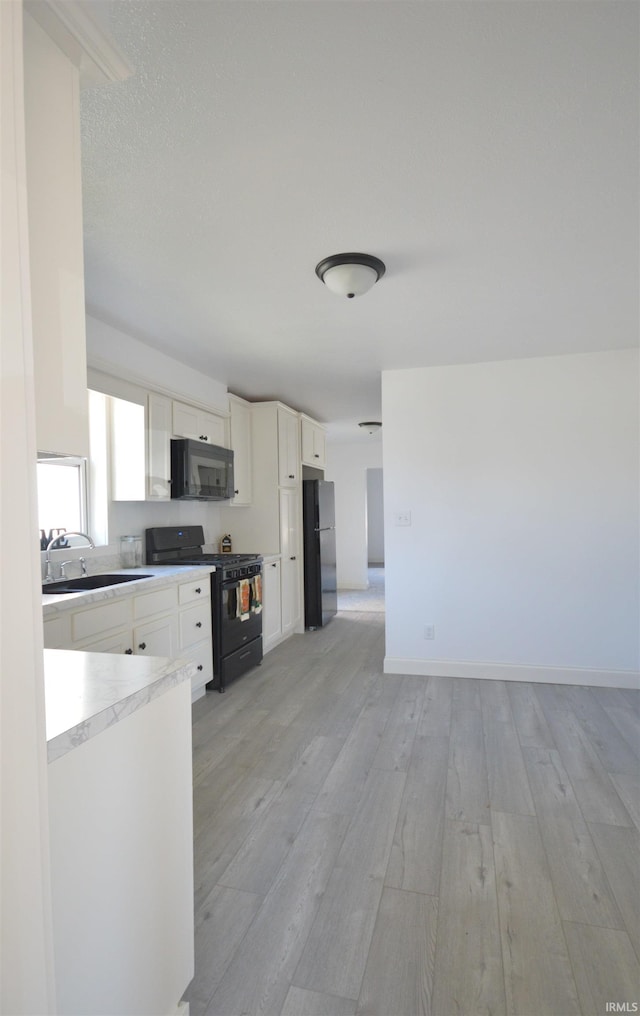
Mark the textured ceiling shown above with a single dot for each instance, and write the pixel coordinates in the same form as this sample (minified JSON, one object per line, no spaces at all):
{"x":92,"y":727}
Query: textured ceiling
{"x":487,"y":152}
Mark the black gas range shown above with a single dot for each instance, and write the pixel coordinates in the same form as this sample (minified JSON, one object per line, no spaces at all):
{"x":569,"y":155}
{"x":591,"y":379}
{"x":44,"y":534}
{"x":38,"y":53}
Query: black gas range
{"x":236,"y":597}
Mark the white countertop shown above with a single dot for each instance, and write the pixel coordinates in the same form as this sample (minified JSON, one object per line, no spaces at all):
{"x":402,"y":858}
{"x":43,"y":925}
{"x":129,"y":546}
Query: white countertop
{"x":87,"y":692}
{"x":56,"y":603}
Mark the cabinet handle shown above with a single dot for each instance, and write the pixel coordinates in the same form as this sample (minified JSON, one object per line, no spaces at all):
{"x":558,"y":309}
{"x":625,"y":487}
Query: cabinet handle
{"x":275,"y":564}
{"x":204,"y":437}
{"x":236,"y":492}
{"x":199,"y":666}
{"x":292,"y":558}
{"x":198,"y":624}
{"x":291,"y":476}
{"x":128,"y":652}
{"x":315,"y":455}
{"x":142,"y":645}
{"x":198,"y":590}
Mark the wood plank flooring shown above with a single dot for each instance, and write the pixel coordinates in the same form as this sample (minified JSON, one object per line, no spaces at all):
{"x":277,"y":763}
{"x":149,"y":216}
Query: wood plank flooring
{"x":403,"y":846}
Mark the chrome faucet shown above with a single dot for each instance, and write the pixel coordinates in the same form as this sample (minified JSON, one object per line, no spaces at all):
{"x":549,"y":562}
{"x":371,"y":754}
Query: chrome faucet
{"x":48,"y":575}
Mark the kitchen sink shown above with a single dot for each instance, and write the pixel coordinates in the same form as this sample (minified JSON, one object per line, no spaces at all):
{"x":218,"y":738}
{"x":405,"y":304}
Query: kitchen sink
{"x":89,"y":582}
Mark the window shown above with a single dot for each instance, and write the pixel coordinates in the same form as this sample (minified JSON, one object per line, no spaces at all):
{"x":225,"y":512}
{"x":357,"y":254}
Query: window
{"x":62,"y":496}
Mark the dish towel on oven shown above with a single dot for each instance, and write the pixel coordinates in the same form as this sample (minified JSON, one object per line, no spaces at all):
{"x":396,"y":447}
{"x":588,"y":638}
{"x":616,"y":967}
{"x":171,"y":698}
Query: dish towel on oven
{"x":256,"y":594}
{"x":243,"y":609}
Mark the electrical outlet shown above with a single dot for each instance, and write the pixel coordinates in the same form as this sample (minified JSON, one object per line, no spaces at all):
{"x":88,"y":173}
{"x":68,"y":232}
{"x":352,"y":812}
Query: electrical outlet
{"x":429,"y":631}
{"x":403,"y":518}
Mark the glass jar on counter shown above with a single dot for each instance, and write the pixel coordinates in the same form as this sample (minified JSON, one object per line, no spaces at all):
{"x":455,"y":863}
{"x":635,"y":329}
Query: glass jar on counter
{"x":131,"y":551}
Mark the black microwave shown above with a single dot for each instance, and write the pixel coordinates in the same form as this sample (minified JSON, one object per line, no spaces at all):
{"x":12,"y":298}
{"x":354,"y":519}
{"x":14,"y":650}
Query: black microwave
{"x":200,"y":471}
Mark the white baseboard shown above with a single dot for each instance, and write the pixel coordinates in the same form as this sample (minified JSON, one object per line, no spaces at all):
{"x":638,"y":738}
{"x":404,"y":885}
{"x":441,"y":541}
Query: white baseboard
{"x":513,"y":672}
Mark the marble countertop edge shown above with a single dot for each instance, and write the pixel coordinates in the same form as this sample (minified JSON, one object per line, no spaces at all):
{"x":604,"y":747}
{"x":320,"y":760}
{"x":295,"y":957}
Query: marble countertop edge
{"x":57,"y":603}
{"x":86,"y":693}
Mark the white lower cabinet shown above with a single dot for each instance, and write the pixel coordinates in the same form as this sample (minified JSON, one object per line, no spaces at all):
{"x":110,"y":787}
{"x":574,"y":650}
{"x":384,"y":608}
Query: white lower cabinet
{"x":194,"y":640}
{"x":156,"y":638}
{"x":173,"y":620}
{"x":121,"y":642}
{"x":94,"y":621}
{"x":271,"y":604}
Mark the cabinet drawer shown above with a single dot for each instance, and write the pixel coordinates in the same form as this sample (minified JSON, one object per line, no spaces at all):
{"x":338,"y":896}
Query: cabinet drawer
{"x":97,"y":620}
{"x":195,"y":624}
{"x":121,"y":642}
{"x":195,"y":590}
{"x":158,"y":602}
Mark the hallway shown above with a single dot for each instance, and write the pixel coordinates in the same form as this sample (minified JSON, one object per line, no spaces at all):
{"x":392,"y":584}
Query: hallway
{"x":368,"y":843}
{"x":371,"y":599}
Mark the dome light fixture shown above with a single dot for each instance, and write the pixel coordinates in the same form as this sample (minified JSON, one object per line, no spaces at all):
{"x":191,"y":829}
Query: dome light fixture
{"x":350,"y":274}
{"x":372,"y":426}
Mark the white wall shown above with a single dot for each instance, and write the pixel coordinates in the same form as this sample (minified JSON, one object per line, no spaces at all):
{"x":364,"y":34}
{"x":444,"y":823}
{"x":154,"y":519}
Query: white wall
{"x":115,"y":352}
{"x":347,"y":466}
{"x":131,"y":518}
{"x":522,"y":482}
{"x":375,"y":516}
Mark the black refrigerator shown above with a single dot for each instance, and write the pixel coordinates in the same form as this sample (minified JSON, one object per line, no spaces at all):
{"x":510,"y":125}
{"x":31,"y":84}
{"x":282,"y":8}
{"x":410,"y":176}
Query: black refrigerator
{"x":319,"y":542}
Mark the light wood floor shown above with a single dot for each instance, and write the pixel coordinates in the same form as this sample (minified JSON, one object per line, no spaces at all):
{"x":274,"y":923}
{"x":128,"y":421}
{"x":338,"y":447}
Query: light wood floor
{"x":402,"y":845}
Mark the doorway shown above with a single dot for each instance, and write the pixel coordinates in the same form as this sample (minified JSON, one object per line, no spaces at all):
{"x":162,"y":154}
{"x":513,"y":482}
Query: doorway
{"x":371,"y":598}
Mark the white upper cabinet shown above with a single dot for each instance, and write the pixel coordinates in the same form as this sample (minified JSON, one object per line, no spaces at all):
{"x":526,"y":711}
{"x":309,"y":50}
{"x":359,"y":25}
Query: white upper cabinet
{"x":313,"y":440}
{"x":128,"y":455}
{"x":63,"y":50}
{"x":189,"y":421}
{"x":288,"y":448}
{"x":52,"y":134}
{"x":240,"y":429}
{"x":158,"y":434}
{"x":140,"y":449}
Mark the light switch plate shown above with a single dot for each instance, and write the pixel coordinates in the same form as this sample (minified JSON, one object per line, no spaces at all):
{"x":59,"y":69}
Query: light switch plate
{"x":403,"y":518}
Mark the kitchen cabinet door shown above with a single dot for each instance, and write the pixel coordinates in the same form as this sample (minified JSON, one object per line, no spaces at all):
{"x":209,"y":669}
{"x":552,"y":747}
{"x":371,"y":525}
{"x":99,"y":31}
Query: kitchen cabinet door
{"x":291,"y":567}
{"x":189,"y":421}
{"x":158,"y":448}
{"x":156,"y":638}
{"x":313,"y":443}
{"x":55,"y":255}
{"x":271,"y":605}
{"x":288,"y":448}
{"x":241,"y":444}
{"x":139,"y":436}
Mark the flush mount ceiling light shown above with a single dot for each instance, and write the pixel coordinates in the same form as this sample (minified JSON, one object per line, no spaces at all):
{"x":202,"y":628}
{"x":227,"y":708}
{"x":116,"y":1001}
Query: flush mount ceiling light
{"x":371,"y":426}
{"x":350,"y":274}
